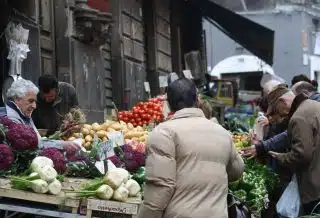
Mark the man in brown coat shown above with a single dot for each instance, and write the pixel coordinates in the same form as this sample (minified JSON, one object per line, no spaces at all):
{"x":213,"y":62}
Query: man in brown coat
{"x":304,"y":137}
{"x":190,"y":161}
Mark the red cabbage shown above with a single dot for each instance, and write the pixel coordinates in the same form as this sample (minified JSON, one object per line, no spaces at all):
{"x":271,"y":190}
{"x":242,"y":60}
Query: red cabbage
{"x":6,"y":157}
{"x":57,"y":157}
{"x":22,"y":137}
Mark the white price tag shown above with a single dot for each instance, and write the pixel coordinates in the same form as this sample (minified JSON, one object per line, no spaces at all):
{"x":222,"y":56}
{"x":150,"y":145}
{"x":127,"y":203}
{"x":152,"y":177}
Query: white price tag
{"x":106,"y":149}
{"x":187,"y":74}
{"x":111,"y":165}
{"x":163,"y":82}
{"x":147,"y":86}
{"x":100,"y":166}
{"x":116,"y":138}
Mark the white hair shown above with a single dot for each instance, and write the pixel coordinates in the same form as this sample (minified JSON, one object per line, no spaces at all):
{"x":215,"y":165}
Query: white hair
{"x":20,"y":88}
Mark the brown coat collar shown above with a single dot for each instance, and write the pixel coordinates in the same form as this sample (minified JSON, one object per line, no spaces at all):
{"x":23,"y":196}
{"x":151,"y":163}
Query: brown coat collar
{"x":296,"y":103}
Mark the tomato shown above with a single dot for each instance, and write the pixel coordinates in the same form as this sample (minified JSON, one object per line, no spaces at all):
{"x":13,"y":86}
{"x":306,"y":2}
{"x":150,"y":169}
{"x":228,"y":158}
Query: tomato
{"x":120,"y":117}
{"x":130,"y":115}
{"x":158,"y":118}
{"x":134,"y":124}
{"x":150,"y":105}
{"x":138,"y":119}
{"x":140,"y":104}
{"x":140,"y":123}
{"x":141,"y":112}
{"x":135,"y":109}
{"x":136,"y":115}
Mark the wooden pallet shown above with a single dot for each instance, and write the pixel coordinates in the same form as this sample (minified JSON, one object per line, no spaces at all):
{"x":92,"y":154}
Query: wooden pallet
{"x":7,"y":192}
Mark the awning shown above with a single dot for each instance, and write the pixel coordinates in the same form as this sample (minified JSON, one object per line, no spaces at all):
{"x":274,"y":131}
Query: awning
{"x":254,"y":37}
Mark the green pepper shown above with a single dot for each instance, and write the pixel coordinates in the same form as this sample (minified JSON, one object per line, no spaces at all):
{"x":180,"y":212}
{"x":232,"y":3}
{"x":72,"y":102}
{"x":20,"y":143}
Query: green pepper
{"x":140,"y":175}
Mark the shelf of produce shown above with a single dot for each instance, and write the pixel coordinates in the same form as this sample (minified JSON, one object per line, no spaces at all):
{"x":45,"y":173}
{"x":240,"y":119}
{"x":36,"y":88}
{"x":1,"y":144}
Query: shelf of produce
{"x":8,"y":193}
{"x":129,"y":208}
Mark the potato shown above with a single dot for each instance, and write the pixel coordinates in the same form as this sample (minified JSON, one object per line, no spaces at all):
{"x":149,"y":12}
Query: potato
{"x":77,"y":135}
{"x":116,"y":126}
{"x":96,"y":127}
{"x":133,"y":134}
{"x":91,"y":132}
{"x":85,"y":131}
{"x":143,"y":138}
{"x":111,"y":130}
{"x":101,"y":133}
{"x":83,"y":141}
{"x":88,"y":138}
{"x":130,"y":126}
{"x":104,"y":139}
{"x":87,"y":145}
{"x":105,"y":126}
{"x":139,"y":129}
{"x":71,"y":138}
{"x":87,"y":126}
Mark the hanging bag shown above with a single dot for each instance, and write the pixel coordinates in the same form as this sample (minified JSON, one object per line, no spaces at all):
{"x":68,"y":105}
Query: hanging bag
{"x":289,"y":202}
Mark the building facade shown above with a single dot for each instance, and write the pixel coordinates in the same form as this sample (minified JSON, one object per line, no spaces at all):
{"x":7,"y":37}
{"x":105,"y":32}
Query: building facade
{"x":296,"y":28}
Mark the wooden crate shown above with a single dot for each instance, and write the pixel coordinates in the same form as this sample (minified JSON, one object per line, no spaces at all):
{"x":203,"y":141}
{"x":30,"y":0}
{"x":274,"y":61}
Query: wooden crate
{"x":7,"y":192}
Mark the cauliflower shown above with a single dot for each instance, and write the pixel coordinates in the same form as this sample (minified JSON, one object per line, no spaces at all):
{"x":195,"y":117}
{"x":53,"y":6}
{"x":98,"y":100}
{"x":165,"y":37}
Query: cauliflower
{"x":39,"y":162}
{"x":6,"y":157}
{"x":48,"y":173}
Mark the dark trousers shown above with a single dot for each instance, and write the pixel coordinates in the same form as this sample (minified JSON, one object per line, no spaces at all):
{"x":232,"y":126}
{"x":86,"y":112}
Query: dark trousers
{"x":308,"y":208}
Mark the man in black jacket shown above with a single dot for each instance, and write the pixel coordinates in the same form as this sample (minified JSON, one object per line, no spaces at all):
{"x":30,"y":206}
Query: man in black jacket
{"x":55,"y":100}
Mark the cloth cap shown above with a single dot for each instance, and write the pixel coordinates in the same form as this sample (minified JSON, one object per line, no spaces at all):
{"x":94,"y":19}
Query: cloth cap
{"x":275,"y":94}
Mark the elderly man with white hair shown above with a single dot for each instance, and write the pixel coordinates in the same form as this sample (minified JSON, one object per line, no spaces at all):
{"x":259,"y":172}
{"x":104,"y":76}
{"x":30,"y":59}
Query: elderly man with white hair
{"x":22,"y":99}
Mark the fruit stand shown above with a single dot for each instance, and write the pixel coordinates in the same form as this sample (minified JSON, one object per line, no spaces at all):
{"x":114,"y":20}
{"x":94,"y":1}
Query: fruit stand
{"x":106,"y":177}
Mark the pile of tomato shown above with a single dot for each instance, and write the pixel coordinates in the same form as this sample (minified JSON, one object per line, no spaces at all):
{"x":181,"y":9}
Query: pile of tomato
{"x":144,"y":113}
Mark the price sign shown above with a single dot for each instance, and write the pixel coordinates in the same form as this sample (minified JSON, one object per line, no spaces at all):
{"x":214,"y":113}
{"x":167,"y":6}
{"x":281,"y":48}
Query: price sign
{"x":116,"y":138}
{"x":147,"y":86}
{"x":163,"y":82}
{"x":106,"y":150}
{"x":100,"y":166}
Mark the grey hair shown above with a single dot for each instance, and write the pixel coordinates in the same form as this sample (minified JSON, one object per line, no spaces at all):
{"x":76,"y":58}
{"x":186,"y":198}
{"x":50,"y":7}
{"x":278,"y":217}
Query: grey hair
{"x":20,"y":88}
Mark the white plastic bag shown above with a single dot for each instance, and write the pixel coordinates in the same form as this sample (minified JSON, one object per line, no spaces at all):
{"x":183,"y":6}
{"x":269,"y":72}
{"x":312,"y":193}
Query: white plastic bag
{"x":289,"y":203}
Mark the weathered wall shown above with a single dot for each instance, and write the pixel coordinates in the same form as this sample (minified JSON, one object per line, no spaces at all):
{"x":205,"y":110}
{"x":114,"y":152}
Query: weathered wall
{"x":86,"y":66}
{"x":88,"y":79}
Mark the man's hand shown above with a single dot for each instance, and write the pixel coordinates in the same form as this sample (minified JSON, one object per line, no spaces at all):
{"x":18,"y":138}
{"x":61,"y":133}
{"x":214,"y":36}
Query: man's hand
{"x":69,"y":145}
{"x":250,"y":152}
{"x":275,"y":155}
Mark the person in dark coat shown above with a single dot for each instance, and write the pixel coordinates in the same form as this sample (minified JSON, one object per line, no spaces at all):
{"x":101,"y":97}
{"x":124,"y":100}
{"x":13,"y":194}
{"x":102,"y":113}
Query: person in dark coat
{"x":300,"y":78}
{"x":279,"y":142}
{"x":55,"y":100}
{"x":303,"y":158}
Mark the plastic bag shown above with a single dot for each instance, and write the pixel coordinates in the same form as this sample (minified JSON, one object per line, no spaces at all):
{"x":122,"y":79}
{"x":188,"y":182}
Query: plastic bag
{"x":289,"y":203}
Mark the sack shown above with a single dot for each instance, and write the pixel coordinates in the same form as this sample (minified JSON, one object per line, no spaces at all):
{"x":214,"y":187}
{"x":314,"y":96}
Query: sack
{"x":289,"y":202}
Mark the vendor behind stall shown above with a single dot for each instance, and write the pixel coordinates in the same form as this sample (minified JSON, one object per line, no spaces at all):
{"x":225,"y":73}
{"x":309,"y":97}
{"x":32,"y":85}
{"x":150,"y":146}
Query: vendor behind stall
{"x":22,"y":97}
{"x":55,"y":100}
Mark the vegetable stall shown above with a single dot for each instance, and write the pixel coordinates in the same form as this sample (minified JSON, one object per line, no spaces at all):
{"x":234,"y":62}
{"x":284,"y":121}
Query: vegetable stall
{"x":107,"y":175}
